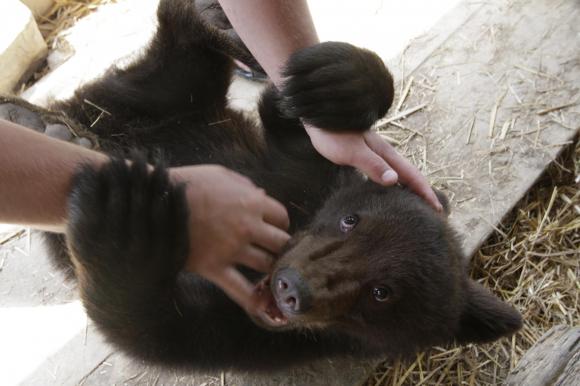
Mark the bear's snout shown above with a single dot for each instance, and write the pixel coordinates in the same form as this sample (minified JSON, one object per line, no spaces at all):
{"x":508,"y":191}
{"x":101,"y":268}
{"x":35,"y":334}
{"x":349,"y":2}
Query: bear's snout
{"x":291,"y":291}
{"x":317,"y":280}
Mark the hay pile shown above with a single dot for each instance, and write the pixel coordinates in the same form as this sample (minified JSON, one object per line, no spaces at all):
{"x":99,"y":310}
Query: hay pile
{"x":62,"y":15}
{"x":534,"y":265}
{"x":53,"y":25}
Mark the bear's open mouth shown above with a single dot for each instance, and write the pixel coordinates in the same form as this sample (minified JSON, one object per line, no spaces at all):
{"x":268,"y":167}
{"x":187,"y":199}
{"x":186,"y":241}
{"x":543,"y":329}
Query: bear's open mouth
{"x":270,"y":312}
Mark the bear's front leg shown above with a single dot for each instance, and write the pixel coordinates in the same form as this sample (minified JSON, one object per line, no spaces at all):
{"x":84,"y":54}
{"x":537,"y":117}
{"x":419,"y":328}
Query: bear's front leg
{"x":127,"y":233}
{"x":127,"y":225}
{"x":336,"y":86}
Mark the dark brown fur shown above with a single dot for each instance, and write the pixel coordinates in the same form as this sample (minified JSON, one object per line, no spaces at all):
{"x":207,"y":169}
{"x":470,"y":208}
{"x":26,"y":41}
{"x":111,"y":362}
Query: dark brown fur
{"x":127,"y":229}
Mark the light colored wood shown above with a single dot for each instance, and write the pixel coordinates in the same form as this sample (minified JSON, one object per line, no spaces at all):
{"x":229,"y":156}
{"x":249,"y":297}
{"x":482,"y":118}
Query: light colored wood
{"x":507,"y":63}
{"x":571,"y":374}
{"x":553,"y":360}
{"x":38,"y":7}
{"x":21,"y":45}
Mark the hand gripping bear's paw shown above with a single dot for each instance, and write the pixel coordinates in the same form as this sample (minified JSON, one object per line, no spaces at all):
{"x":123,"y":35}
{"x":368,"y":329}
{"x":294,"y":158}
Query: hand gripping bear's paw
{"x":127,"y":223}
{"x":46,"y":122}
{"x":336,"y":86}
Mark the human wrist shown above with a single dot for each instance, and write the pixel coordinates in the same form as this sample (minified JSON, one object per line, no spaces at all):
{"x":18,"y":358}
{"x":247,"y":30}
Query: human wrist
{"x":281,"y":31}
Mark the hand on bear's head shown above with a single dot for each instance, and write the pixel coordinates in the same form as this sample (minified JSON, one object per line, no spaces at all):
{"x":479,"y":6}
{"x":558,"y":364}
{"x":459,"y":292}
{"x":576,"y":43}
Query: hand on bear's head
{"x":381,"y":265}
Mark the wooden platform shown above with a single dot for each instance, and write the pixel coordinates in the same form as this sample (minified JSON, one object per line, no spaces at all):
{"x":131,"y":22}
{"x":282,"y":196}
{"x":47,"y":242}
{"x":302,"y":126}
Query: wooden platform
{"x":493,"y":93}
{"x":553,"y":360}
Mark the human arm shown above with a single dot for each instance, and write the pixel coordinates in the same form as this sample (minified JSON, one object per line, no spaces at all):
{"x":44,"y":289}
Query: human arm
{"x":273,"y":30}
{"x":35,"y":175}
{"x":35,"y":181}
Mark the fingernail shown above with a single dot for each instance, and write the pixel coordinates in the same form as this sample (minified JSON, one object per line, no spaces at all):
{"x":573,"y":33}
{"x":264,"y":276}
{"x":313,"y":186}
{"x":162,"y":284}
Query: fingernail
{"x":389,"y":177}
{"x":437,"y":204}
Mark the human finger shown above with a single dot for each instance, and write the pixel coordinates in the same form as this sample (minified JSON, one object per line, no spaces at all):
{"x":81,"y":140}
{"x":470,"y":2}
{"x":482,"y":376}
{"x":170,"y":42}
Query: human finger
{"x":375,"y":167}
{"x":409,"y":175}
{"x":275,"y":213}
{"x":255,"y":258}
{"x":238,"y":177}
{"x":238,"y":288}
{"x":269,"y":237}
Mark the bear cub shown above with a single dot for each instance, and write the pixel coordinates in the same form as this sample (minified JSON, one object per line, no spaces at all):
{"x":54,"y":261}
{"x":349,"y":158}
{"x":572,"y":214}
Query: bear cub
{"x":370,"y":271}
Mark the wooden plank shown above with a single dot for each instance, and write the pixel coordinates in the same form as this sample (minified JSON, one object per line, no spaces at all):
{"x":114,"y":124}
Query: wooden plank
{"x":74,"y":362}
{"x":517,"y":58}
{"x":37,"y":316}
{"x":22,"y":48}
{"x":571,"y":374}
{"x":119,"y":369}
{"x":39,"y":7}
{"x":503,"y":69}
{"x":553,"y":360}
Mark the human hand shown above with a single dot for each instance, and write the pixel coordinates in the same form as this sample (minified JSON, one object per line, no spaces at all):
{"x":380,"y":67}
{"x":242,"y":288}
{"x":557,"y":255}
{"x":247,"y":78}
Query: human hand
{"x":231,"y":222}
{"x":338,"y":91}
{"x":371,"y":154}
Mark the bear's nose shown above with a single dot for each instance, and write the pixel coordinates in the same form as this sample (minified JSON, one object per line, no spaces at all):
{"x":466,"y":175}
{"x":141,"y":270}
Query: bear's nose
{"x":291,"y":291}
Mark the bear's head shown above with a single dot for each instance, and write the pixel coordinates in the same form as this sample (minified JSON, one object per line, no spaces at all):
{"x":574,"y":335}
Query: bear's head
{"x":382,"y":266}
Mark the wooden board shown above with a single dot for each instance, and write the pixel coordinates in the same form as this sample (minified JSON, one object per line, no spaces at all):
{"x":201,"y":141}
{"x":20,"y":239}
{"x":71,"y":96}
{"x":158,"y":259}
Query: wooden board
{"x":553,"y":360}
{"x":494,"y":81}
{"x":527,"y":50}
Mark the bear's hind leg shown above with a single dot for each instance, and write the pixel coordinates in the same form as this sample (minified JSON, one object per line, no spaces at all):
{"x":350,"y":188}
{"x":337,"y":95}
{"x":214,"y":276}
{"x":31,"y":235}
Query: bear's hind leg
{"x":55,"y":125}
{"x":184,"y":70}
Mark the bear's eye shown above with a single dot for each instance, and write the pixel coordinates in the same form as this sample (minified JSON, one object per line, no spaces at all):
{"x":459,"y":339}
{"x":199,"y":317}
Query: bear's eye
{"x":381,"y":294}
{"x":347,"y":223}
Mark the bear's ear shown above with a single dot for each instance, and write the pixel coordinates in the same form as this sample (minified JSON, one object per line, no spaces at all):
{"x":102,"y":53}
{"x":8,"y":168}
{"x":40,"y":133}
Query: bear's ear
{"x":443,"y":200}
{"x":485,"y":318}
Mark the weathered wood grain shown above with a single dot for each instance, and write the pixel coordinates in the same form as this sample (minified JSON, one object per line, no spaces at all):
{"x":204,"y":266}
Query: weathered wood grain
{"x":553,"y":360}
